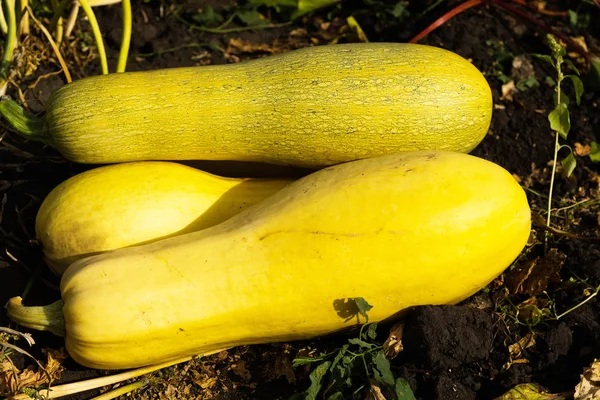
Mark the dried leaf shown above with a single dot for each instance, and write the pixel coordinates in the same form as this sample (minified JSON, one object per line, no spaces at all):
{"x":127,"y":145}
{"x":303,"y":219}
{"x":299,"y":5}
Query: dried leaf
{"x":375,"y":393}
{"x":588,"y":387}
{"x":522,"y":68}
{"x":508,"y":89}
{"x":12,"y":380}
{"x":582,"y":150}
{"x":516,"y":349}
{"x":393,"y":344}
{"x":530,"y":391}
{"x":533,"y":277}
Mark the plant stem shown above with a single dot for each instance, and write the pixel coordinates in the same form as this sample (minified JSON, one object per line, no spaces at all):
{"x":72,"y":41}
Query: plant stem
{"x":9,"y":45}
{"x":26,"y":125}
{"x":113,"y":394}
{"x":24,"y":17}
{"x":72,"y":19}
{"x":126,"y":38}
{"x":591,"y":296}
{"x":569,"y":42}
{"x":59,"y":9}
{"x":42,"y":318}
{"x":556,"y":148}
{"x":52,"y":44}
{"x":441,"y":20}
{"x":97,"y":34}
{"x":3,"y":26}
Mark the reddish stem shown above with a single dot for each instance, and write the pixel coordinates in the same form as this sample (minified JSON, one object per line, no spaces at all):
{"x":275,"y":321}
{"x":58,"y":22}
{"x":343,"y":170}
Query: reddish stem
{"x":455,"y":11}
{"x":472,"y":3}
{"x":568,"y":41}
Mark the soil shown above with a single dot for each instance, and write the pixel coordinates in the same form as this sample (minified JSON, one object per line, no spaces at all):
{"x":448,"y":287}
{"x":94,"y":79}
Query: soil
{"x":450,"y":352}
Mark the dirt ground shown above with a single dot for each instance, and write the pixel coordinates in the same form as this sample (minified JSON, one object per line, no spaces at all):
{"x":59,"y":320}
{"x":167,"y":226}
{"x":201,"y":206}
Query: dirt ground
{"x":451,"y":352}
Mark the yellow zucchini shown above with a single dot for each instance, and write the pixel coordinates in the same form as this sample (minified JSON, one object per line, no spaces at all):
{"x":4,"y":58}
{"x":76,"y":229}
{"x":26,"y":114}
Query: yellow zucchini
{"x":121,"y":205}
{"x":400,"y":231}
{"x":310,"y":107}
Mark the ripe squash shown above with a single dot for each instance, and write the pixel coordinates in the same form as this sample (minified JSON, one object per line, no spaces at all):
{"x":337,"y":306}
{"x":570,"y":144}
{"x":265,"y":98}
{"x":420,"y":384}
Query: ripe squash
{"x":121,"y":205}
{"x":310,"y":107}
{"x":400,"y":231}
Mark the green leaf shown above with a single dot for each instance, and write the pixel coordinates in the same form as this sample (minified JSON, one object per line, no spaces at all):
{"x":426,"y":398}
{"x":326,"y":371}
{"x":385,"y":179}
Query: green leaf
{"x":550,"y":81}
{"x":361,"y":343}
{"x":304,"y":360}
{"x":336,"y":396}
{"x":403,"y":390}
{"x":208,"y":16}
{"x":251,"y":17}
{"x":569,"y":163}
{"x":348,"y":360}
{"x":307,"y":6}
{"x":316,"y":377}
{"x":570,"y":64}
{"x":400,"y":10}
{"x":530,"y":391}
{"x":276,"y":4}
{"x":383,"y":366}
{"x":564,"y":99}
{"x":527,"y":83}
{"x":363,"y":307}
{"x":592,"y":78}
{"x":578,"y":87}
{"x":372,"y":331}
{"x":338,"y":357}
{"x":573,"y":18}
{"x":560,"y":120}
{"x":545,"y":57}
{"x":595,"y":152}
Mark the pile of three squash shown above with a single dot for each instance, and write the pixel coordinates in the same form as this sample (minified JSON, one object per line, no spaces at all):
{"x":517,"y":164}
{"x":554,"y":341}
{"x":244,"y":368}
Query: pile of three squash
{"x":166,"y":261}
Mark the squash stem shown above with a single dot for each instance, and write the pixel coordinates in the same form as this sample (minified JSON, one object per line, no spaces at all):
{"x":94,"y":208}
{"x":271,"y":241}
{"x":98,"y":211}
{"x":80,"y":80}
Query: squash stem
{"x":42,"y":318}
{"x":3,"y":24}
{"x":113,"y":394}
{"x":126,"y":38}
{"x":27,"y":125}
{"x":87,"y":9}
{"x":9,"y":44}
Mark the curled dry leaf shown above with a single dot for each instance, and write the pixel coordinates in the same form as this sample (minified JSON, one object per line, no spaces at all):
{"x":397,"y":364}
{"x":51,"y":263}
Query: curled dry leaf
{"x":588,"y":387}
{"x":13,"y":381}
{"x":516,"y":349}
{"x":582,"y":150}
{"x":375,"y":393}
{"x":508,"y":89}
{"x":533,"y":277}
{"x":522,"y":68}
{"x":393,"y":344}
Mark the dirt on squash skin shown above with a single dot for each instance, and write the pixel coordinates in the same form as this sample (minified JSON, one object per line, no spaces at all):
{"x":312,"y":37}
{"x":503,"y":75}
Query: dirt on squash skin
{"x":465,"y":351}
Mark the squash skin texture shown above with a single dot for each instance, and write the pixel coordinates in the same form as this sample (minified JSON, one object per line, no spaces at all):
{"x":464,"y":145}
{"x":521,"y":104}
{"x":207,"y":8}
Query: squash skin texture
{"x":311,"y":107}
{"x":122,"y":205}
{"x":411,"y":229}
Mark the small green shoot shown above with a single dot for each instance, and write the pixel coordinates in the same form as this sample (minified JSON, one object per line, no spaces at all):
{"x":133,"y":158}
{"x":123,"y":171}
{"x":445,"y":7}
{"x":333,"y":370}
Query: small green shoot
{"x":502,"y":60}
{"x":358,"y":366}
{"x":559,"y":118}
